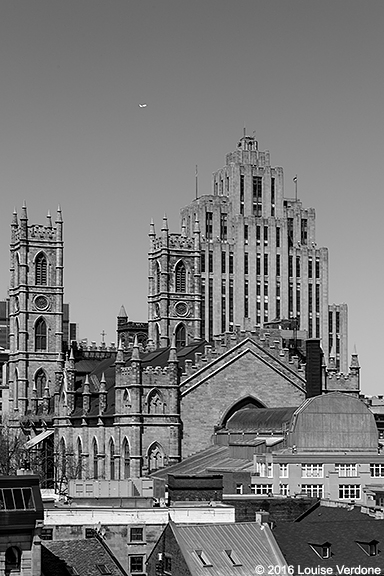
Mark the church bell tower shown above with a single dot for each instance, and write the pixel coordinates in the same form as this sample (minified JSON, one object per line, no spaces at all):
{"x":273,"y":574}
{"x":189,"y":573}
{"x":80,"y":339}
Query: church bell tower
{"x":36,"y":312}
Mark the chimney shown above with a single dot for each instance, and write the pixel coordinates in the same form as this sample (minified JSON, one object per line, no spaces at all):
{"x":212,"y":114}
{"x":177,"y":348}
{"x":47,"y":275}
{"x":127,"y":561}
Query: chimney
{"x":313,"y":367}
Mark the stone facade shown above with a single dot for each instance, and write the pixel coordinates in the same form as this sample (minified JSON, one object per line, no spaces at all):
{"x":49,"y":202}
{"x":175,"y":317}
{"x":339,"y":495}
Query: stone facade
{"x":36,"y":311}
{"x":246,"y":256}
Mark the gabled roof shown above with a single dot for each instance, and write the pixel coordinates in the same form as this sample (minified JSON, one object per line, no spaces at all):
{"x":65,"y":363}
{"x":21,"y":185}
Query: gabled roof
{"x":297,"y":541}
{"x":213,"y":459}
{"x":84,"y":555}
{"x":248,"y":544}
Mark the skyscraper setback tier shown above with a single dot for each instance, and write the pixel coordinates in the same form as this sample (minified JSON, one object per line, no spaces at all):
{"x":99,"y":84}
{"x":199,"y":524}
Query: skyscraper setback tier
{"x":246,"y":256}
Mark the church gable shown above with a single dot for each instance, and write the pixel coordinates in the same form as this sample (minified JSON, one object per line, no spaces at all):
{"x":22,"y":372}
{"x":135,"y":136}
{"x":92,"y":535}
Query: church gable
{"x":247,"y":370}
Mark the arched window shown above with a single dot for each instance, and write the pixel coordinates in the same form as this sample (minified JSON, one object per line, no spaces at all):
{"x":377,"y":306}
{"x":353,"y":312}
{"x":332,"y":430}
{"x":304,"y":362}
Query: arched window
{"x":17,"y":270}
{"x":41,"y":334}
{"x":180,"y":336}
{"x":180,"y":277}
{"x":155,"y":457}
{"x":40,"y":381}
{"x":158,"y":278}
{"x":112,"y":460}
{"x":12,"y":560}
{"x":41,"y":270}
{"x":157,"y":336}
{"x":79,"y":471}
{"x":126,"y":399}
{"x":95,"y":460}
{"x":127,"y":459}
{"x":155,"y":403}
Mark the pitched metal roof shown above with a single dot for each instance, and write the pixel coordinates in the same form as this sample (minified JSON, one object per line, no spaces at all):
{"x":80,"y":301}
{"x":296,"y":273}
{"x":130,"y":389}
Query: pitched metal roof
{"x":260,"y":419}
{"x":249,"y":544}
{"x":214,"y":458}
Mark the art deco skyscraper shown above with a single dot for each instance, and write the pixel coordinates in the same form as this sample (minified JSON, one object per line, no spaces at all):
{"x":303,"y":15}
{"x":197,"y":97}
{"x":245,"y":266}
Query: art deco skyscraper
{"x":258,"y":261}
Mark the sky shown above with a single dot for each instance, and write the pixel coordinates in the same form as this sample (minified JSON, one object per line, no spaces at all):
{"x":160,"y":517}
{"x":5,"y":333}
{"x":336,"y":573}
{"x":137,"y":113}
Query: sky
{"x":306,"y":75}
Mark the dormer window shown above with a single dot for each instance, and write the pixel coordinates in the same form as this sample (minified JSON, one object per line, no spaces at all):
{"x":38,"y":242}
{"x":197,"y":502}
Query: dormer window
{"x":322,"y":550}
{"x":203,"y":558}
{"x":233,"y":558}
{"x":370,"y":548}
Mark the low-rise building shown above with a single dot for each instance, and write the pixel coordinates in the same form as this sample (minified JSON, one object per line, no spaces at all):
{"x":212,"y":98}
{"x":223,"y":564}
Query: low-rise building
{"x":222,"y":549}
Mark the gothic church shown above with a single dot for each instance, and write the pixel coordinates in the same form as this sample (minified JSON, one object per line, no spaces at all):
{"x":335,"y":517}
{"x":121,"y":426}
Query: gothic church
{"x":219,"y":292}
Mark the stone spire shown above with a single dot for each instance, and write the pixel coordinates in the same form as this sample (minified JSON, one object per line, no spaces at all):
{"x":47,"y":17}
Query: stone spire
{"x":86,"y":396}
{"x":354,"y":359}
{"x":102,"y":395}
{"x":49,"y":220}
{"x":120,"y":353}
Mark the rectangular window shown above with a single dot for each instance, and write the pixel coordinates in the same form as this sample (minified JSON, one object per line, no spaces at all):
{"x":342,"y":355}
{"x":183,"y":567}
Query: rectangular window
{"x":239,"y":488}
{"x":283,"y":470}
{"x":349,"y":491}
{"x":136,"y":564}
{"x":223,"y":306}
{"x":246,"y":306}
{"x":223,"y":262}
{"x":258,"y":234}
{"x":272,"y":196}
{"x":202,"y":262}
{"x":290,"y":232}
{"x":317,"y":297}
{"x":136,"y":534}
{"x":231,"y":300}
{"x":257,"y":187}
{"x":337,"y":322}
{"x":246,"y":263}
{"x":304,"y":231}
{"x":265,"y":264}
{"x":277,"y":236}
{"x":284,"y":489}
{"x":312,"y":470}
{"x":298,"y":267}
{"x":167,"y":564}
{"x":223,"y":226}
{"x":346,"y":470}
{"x":265,"y":235}
{"x":210,"y":262}
{"x":245,"y":233}
{"x":310,"y":267}
{"x":262,"y":489}
{"x":317,"y":268}
{"x":264,"y":469}
{"x":208,"y":225}
{"x":241,"y":194}
{"x":312,"y":490}
{"x":258,"y":264}
{"x":210,"y":308}
{"x":290,"y":266}
{"x":46,"y":534}
{"x":290,"y":300}
{"x":377,"y":470}
{"x":278,"y":265}
{"x":231,"y":262}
